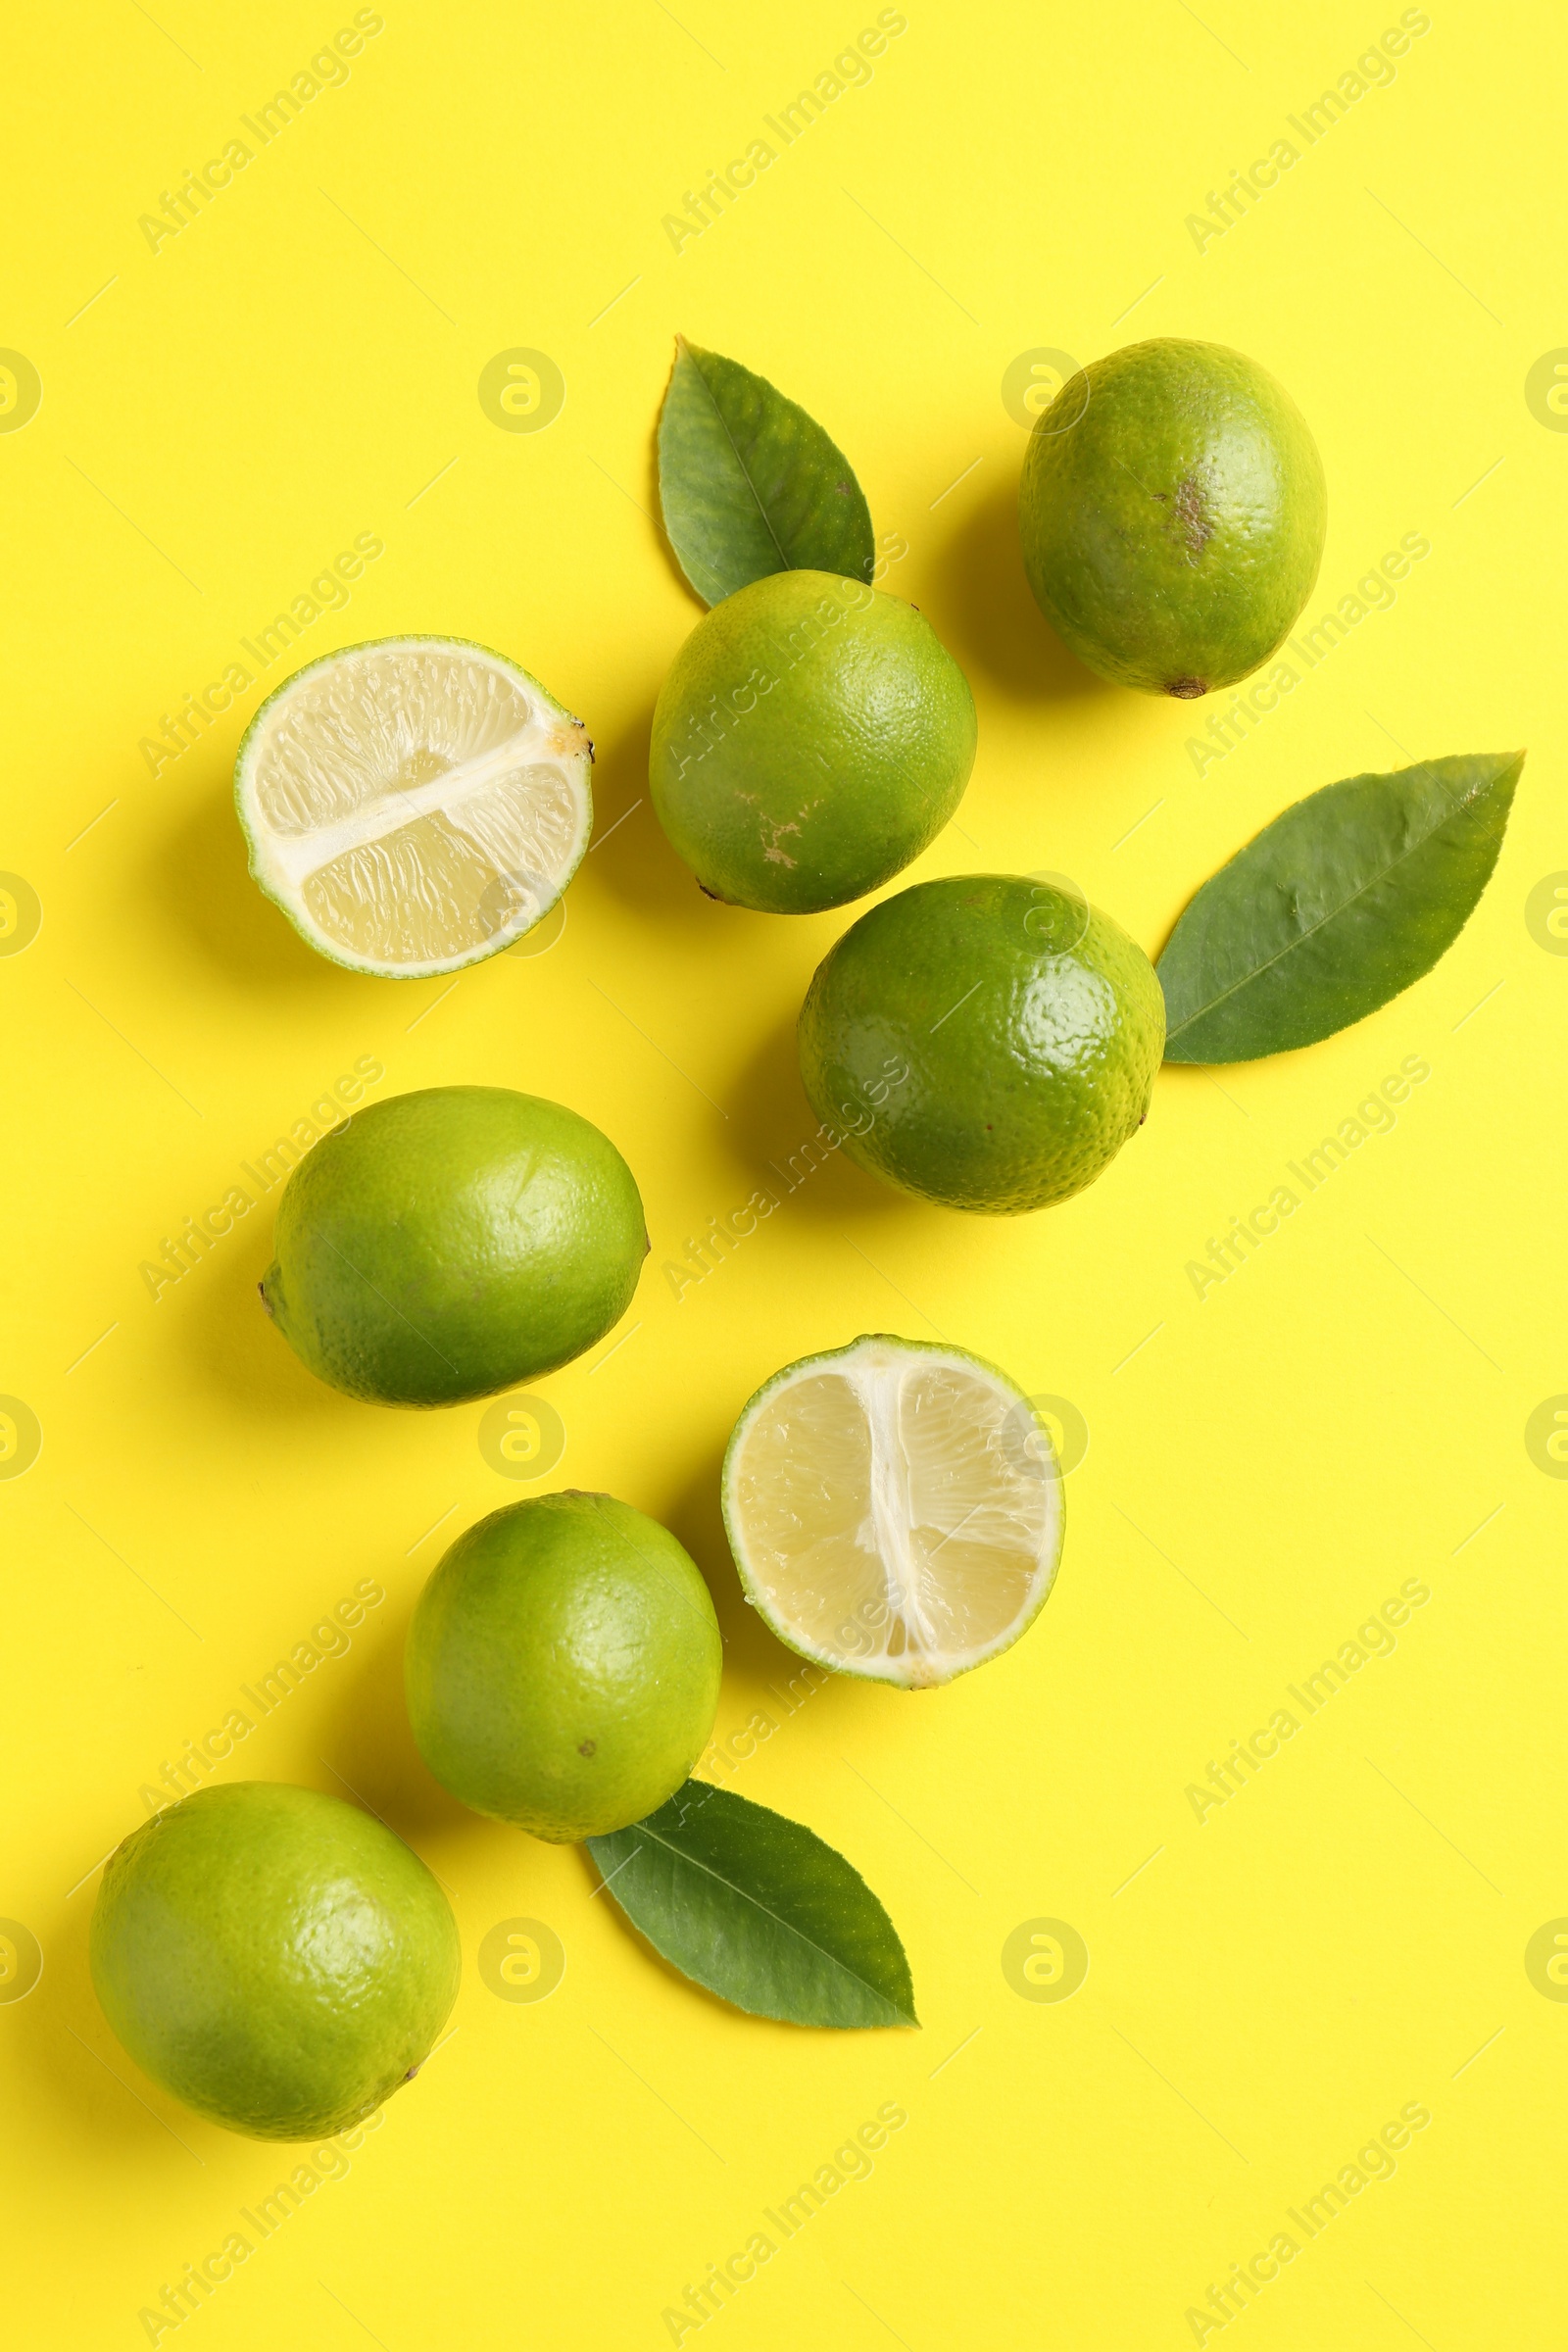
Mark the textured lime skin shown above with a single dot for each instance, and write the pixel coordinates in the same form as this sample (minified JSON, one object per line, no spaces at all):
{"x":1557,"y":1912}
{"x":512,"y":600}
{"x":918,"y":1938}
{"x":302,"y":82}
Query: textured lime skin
{"x":1172,"y":512}
{"x":445,"y":1244}
{"x":276,"y":1959}
{"x":812,"y":737}
{"x":1027,"y":1026}
{"x":562,"y":1666}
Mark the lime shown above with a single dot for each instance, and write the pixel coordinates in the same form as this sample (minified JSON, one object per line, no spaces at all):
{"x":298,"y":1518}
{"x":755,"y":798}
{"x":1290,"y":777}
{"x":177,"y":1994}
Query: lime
{"x":562,"y":1666}
{"x":274,"y":1958}
{"x":1172,"y":512}
{"x":441,"y":1245}
{"x":414,"y":804}
{"x":895,"y":1510}
{"x":985,"y":1040}
{"x":812,"y":737}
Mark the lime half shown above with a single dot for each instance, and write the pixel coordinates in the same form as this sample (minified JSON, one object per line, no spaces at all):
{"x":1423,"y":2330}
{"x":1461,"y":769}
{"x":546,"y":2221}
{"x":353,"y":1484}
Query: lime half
{"x":414,"y":804}
{"x":895,"y":1510}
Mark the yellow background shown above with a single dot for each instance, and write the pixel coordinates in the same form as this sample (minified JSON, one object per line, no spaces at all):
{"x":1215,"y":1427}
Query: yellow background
{"x":1265,"y":1465}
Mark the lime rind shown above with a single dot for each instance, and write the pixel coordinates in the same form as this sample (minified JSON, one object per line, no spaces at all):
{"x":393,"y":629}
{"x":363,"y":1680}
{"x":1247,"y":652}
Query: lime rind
{"x":811,"y":738}
{"x":524,"y":895}
{"x":1022,"y":1441}
{"x":275,"y":1958}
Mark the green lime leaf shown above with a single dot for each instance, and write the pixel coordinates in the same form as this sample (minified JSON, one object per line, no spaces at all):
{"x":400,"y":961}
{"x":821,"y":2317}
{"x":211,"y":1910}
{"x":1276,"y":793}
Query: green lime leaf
{"x":759,"y":1910}
{"x":1335,"y":908}
{"x":749,"y":484}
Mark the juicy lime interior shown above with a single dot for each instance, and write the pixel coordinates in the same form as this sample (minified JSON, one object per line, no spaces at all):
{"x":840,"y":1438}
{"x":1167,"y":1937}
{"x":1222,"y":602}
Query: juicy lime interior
{"x":416,"y":803}
{"x":895,"y":1511}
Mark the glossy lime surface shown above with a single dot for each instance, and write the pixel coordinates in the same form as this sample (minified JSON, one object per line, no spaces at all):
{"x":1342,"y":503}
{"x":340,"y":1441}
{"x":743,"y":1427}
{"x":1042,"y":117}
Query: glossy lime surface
{"x":562,"y":1666}
{"x":985,"y":1040}
{"x":812,"y":737}
{"x":274,"y":1957}
{"x":1172,"y":512}
{"x":445,"y":1244}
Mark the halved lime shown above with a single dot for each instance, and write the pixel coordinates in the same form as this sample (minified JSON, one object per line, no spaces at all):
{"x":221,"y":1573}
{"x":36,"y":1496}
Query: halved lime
{"x":414,"y":804}
{"x":895,"y":1510}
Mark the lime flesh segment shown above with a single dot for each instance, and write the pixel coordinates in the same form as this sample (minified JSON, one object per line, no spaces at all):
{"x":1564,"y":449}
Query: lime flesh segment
{"x":895,"y":1510}
{"x":414,"y":804}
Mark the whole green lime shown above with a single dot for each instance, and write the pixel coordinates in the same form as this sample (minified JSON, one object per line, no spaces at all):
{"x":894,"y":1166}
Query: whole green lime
{"x":562,"y":1666}
{"x":1172,"y":512}
{"x":276,"y":1959}
{"x":812,"y":737}
{"x":985,"y":1040}
{"x":442,"y":1246}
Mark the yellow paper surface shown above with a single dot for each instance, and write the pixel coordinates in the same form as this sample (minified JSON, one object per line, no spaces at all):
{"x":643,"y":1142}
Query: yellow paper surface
{"x":321,"y":357}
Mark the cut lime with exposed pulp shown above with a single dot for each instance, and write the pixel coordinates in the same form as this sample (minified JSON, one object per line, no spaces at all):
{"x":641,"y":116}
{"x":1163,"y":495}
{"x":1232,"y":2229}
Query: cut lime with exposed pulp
{"x":895,"y":1510}
{"x":414,"y":804}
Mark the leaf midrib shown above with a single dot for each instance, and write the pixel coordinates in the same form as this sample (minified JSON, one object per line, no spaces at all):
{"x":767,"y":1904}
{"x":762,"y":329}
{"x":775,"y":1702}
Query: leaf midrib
{"x":1465,"y":800}
{"x":654,"y":1839}
{"x":746,"y":477}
